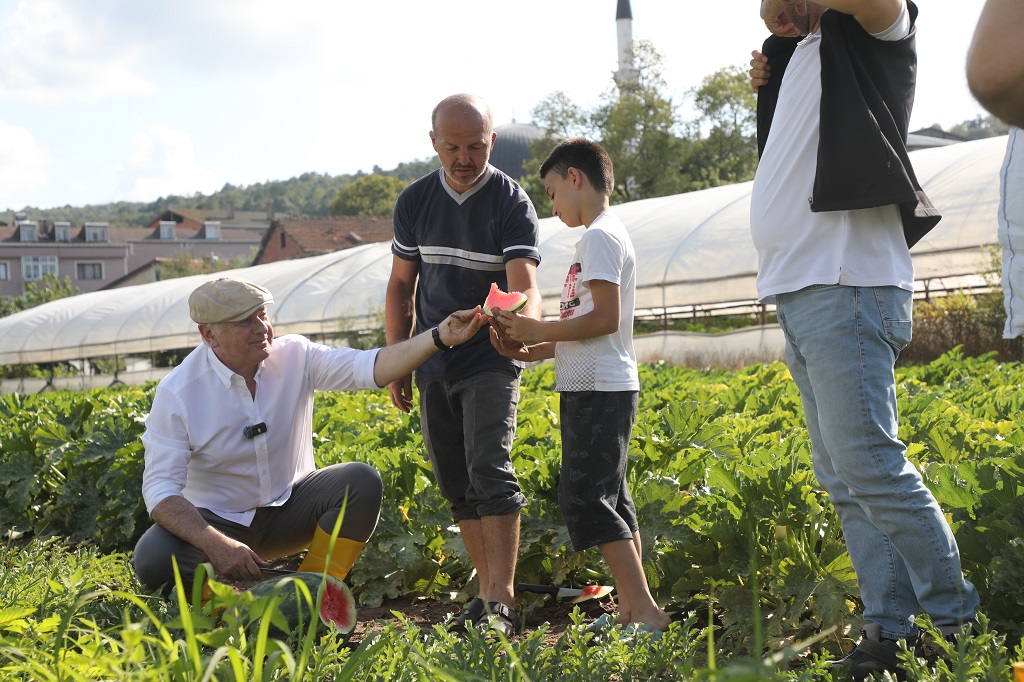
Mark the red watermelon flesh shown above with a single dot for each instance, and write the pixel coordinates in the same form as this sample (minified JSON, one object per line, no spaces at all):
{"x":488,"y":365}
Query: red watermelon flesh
{"x":496,"y":298}
{"x":337,"y":608}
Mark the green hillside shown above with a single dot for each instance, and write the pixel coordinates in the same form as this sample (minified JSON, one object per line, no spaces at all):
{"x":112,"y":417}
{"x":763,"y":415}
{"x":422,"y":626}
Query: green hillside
{"x":309,"y":194}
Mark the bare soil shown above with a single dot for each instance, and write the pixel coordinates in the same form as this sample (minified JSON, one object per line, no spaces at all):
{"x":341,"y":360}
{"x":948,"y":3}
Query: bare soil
{"x":425,"y":613}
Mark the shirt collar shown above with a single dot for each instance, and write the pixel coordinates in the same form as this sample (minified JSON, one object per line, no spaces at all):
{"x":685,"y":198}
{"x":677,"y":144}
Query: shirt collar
{"x":223,"y":372}
{"x":459,"y":198}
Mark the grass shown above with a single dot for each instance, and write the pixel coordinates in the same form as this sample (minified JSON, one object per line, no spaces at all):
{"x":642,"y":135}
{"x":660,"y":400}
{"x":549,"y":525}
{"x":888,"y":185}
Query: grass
{"x":73,"y":614}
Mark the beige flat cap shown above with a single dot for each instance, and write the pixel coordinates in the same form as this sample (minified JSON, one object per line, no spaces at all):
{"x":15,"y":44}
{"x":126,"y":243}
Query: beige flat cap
{"x":227,"y":299}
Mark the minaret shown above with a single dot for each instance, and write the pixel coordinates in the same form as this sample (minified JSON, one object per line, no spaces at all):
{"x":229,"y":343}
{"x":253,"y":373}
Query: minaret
{"x":627,"y":73}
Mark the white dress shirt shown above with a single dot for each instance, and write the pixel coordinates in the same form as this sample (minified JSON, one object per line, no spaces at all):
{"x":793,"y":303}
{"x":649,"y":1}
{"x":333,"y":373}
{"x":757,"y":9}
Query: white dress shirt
{"x":194,"y":439}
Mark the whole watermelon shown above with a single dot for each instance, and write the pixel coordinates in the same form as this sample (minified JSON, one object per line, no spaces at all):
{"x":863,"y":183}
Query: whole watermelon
{"x":337,"y":608}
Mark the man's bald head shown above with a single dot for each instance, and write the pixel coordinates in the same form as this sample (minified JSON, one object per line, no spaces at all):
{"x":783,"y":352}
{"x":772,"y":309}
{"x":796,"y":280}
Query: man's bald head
{"x":463,"y":103}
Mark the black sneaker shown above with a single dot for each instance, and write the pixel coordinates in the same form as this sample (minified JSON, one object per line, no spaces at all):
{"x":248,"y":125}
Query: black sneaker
{"x":873,"y":654}
{"x":933,"y":651}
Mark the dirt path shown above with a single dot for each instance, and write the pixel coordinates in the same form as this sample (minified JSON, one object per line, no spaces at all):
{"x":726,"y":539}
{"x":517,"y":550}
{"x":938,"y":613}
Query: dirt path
{"x":425,"y":613}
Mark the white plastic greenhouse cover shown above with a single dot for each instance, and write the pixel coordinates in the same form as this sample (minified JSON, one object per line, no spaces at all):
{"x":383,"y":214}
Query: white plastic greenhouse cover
{"x":692,"y":249}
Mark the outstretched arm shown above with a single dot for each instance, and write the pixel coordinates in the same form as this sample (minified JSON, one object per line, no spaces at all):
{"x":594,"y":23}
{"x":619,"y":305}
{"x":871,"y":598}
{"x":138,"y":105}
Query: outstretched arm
{"x":399,"y":360}
{"x":995,"y":61}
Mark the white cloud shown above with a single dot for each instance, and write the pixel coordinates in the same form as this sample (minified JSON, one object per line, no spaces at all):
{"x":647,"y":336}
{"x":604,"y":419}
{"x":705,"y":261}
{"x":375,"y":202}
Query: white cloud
{"x":161,"y":162}
{"x":49,"y":55}
{"x":22,"y":165}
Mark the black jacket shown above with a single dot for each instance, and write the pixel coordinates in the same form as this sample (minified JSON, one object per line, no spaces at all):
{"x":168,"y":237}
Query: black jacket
{"x":867,"y":93}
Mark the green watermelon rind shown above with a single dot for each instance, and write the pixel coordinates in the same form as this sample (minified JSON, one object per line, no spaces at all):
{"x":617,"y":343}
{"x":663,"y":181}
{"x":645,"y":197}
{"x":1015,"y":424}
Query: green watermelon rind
{"x":512,"y":301}
{"x":293,"y":607}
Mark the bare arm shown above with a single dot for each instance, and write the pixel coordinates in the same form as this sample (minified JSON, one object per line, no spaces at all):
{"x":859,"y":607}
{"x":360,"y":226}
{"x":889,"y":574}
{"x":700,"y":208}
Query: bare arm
{"x":874,"y":15}
{"x":230,"y":558}
{"x":398,"y":299}
{"x":398,"y":321}
{"x":519,"y":351}
{"x":995,"y":60}
{"x":522,"y":277}
{"x":399,"y":360}
{"x":602,"y":320}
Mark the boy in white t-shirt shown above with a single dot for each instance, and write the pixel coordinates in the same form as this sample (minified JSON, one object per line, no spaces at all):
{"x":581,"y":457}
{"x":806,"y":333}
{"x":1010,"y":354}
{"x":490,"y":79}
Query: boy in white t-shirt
{"x":596,"y":374}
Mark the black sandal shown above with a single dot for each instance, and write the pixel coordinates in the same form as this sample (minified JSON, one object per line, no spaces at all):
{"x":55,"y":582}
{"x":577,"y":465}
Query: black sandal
{"x":472,"y":613}
{"x":502,"y":619}
{"x":873,"y":656}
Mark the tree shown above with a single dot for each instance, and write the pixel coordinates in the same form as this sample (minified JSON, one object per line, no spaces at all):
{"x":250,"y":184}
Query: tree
{"x":411,"y":170}
{"x":370,"y":195}
{"x":654,"y":152}
{"x":184,"y":265}
{"x":49,"y":288}
{"x":721,"y":143}
{"x":979,"y":127}
{"x":637,"y":123}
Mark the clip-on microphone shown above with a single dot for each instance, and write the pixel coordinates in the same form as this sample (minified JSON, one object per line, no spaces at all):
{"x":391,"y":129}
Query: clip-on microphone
{"x":250,"y":432}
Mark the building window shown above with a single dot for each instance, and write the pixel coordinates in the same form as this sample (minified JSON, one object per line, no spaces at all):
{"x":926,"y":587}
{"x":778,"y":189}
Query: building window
{"x":212,"y":229}
{"x":34,"y":267}
{"x":29,"y":230}
{"x":89,"y":270}
{"x":62,"y":232}
{"x":96,"y":232}
{"x":4,"y":275}
{"x":167,"y":229}
{"x":281,"y":235}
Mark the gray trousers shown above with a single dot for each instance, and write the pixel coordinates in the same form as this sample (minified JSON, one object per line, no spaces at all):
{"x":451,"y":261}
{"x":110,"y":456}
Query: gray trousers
{"x":275,"y":531}
{"x":468,"y":428}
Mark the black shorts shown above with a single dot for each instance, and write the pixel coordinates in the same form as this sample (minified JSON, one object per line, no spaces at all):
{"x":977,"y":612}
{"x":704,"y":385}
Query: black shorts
{"x":592,"y":490}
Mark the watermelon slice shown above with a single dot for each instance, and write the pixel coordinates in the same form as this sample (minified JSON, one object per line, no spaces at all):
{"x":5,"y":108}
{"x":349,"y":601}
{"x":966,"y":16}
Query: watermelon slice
{"x":337,"y":608}
{"x":496,"y":298}
{"x":592,"y":592}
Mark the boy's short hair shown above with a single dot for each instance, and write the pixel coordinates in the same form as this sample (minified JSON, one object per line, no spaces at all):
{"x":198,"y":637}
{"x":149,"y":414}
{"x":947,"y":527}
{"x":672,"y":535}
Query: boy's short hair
{"x":583,"y":155}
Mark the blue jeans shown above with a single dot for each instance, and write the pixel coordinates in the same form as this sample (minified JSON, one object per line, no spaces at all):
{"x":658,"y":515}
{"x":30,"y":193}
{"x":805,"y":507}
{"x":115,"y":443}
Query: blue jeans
{"x":841,"y":346}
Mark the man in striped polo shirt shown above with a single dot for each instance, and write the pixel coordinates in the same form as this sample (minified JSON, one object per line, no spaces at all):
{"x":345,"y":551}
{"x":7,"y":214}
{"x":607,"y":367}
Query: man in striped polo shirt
{"x":457,"y":230}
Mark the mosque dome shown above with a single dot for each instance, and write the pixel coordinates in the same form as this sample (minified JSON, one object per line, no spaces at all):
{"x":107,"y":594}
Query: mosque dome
{"x":512,"y":148}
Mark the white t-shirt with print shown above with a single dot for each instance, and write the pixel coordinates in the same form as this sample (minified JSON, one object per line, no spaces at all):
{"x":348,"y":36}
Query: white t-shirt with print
{"x":795,"y":247}
{"x":603,"y":363}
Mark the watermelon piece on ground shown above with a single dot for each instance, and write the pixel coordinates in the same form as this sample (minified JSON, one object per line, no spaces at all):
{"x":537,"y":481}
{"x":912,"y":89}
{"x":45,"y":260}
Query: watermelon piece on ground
{"x":337,"y":608}
{"x":511,"y":301}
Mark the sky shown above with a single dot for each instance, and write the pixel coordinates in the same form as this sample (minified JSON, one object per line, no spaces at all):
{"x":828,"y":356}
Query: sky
{"x":132,"y":100}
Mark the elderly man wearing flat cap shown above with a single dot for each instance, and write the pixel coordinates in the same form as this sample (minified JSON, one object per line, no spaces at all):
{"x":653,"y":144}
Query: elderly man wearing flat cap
{"x":229,"y":474}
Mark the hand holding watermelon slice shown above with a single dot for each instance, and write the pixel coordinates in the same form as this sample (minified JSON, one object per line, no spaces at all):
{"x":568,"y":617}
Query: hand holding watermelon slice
{"x":496,"y":298}
{"x":461,"y":326}
{"x":512,"y":333}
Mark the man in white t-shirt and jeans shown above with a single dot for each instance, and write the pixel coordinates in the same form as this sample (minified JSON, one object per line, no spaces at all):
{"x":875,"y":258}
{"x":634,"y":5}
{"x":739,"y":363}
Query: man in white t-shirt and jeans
{"x":835,"y":208}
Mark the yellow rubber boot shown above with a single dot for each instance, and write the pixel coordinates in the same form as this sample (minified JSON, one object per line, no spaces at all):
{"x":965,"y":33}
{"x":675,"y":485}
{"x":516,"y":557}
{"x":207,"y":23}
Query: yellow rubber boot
{"x":342,"y":557}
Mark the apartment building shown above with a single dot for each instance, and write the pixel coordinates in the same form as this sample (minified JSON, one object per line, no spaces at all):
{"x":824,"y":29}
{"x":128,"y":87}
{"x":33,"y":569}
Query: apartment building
{"x":94,"y":254}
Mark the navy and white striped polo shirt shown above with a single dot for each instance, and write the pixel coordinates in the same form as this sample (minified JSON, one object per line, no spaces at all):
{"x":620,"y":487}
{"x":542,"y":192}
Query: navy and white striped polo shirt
{"x":462,"y":242}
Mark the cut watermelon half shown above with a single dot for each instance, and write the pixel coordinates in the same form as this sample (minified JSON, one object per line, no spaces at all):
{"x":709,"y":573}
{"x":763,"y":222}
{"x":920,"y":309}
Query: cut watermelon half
{"x":337,"y":608}
{"x":512,"y":301}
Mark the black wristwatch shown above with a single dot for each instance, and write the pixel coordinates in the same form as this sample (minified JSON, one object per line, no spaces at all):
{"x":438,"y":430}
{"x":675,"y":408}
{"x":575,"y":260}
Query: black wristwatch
{"x":436,"y":333}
